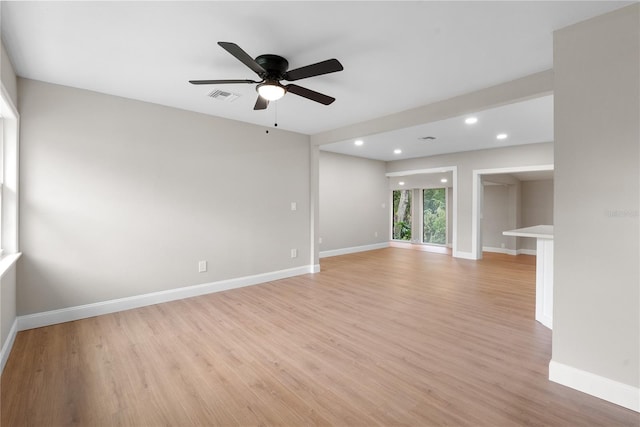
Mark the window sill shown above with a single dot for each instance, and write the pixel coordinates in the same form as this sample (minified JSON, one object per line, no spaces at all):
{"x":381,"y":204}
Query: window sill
{"x":7,"y":261}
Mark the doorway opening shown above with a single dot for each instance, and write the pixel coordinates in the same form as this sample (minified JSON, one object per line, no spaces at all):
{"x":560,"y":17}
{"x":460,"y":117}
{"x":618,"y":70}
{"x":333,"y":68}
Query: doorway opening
{"x":505,"y":184}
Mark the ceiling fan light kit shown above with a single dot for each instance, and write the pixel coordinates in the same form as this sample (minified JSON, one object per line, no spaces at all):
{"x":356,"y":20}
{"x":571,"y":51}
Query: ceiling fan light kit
{"x":272,"y":69}
{"x":271,"y":91}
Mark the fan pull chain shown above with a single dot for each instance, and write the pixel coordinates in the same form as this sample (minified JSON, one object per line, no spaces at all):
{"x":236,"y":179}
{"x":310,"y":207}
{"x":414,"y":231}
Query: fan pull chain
{"x":276,"y":113}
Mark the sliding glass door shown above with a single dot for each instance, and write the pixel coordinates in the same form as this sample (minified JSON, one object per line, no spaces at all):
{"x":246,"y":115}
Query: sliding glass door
{"x":434,"y":211}
{"x":428,"y":226}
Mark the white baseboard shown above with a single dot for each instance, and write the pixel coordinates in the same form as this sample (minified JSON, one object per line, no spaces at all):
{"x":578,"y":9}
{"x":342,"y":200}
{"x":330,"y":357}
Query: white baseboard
{"x":499,"y":250}
{"x":463,"y":255}
{"x":595,"y":385}
{"x":8,"y":345}
{"x":352,"y":250}
{"x":69,"y":314}
{"x":526,"y":252}
{"x":509,"y":251}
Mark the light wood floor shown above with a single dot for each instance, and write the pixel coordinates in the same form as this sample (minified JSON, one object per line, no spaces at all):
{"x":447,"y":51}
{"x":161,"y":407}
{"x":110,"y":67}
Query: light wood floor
{"x":387,"y":337}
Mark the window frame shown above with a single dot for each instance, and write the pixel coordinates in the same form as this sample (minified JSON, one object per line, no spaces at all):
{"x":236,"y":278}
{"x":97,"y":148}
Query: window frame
{"x":9,"y":174}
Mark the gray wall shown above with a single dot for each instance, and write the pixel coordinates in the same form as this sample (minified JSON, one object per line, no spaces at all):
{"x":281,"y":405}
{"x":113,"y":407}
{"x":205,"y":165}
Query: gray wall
{"x":498,"y":215}
{"x":537,"y":207}
{"x":121,"y":198}
{"x":596,"y":324}
{"x":352,"y":194}
{"x":523,"y":155}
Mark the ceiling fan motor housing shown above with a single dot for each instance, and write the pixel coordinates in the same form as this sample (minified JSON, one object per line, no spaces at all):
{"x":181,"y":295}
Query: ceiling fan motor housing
{"x":275,"y":66}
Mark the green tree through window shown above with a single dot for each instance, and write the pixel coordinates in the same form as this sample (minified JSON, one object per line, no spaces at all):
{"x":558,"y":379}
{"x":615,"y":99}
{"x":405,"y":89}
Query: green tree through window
{"x":402,"y":214}
{"x":435,"y":216}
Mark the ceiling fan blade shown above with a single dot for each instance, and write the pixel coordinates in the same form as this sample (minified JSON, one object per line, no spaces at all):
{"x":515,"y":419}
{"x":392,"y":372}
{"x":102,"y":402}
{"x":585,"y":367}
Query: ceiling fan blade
{"x":318,"y":69}
{"x":261,"y":103}
{"x":310,"y":94}
{"x":219,"y":82}
{"x":243,"y":57}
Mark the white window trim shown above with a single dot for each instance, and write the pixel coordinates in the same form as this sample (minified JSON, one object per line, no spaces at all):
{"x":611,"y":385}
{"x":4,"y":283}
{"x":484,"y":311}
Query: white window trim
{"x":10,"y":195}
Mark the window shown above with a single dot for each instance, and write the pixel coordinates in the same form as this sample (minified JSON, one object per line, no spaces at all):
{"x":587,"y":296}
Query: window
{"x":8,"y":174}
{"x":434,"y":225}
{"x":401,"y":215}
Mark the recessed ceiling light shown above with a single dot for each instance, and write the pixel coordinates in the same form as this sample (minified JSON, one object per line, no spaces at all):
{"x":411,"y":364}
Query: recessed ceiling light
{"x":501,"y":136}
{"x":443,"y":180}
{"x":359,"y":142}
{"x":471,"y":120}
{"x":397,"y":151}
{"x":401,"y":183}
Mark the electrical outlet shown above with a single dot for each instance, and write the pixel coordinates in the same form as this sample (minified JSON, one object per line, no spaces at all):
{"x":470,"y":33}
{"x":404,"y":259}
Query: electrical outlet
{"x":294,"y":253}
{"x":320,"y":240}
{"x":502,"y":245}
{"x":202,"y":266}
{"x":294,"y":206}
{"x":375,"y":234}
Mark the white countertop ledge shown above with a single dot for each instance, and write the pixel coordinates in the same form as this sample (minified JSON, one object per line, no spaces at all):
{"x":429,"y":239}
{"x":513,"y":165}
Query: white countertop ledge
{"x":537,"y":231}
{"x":7,"y":261}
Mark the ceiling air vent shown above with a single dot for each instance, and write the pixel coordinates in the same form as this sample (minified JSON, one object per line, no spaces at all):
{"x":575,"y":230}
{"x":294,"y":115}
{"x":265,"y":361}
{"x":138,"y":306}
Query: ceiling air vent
{"x":223,"y":95}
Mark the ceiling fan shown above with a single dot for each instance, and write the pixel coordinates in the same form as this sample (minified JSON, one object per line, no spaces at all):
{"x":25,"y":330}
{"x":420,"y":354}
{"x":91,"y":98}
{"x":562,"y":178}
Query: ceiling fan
{"x":272,"y":69}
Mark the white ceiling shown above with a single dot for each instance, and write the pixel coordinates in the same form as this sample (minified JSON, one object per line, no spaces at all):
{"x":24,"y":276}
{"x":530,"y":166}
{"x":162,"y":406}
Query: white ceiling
{"x":526,"y":122}
{"x":396,"y":55}
{"x":422,"y":180}
{"x":510,"y":178}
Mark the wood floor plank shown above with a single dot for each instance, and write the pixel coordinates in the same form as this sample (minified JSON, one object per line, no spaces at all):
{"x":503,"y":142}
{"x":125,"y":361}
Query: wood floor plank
{"x":385,"y":337}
